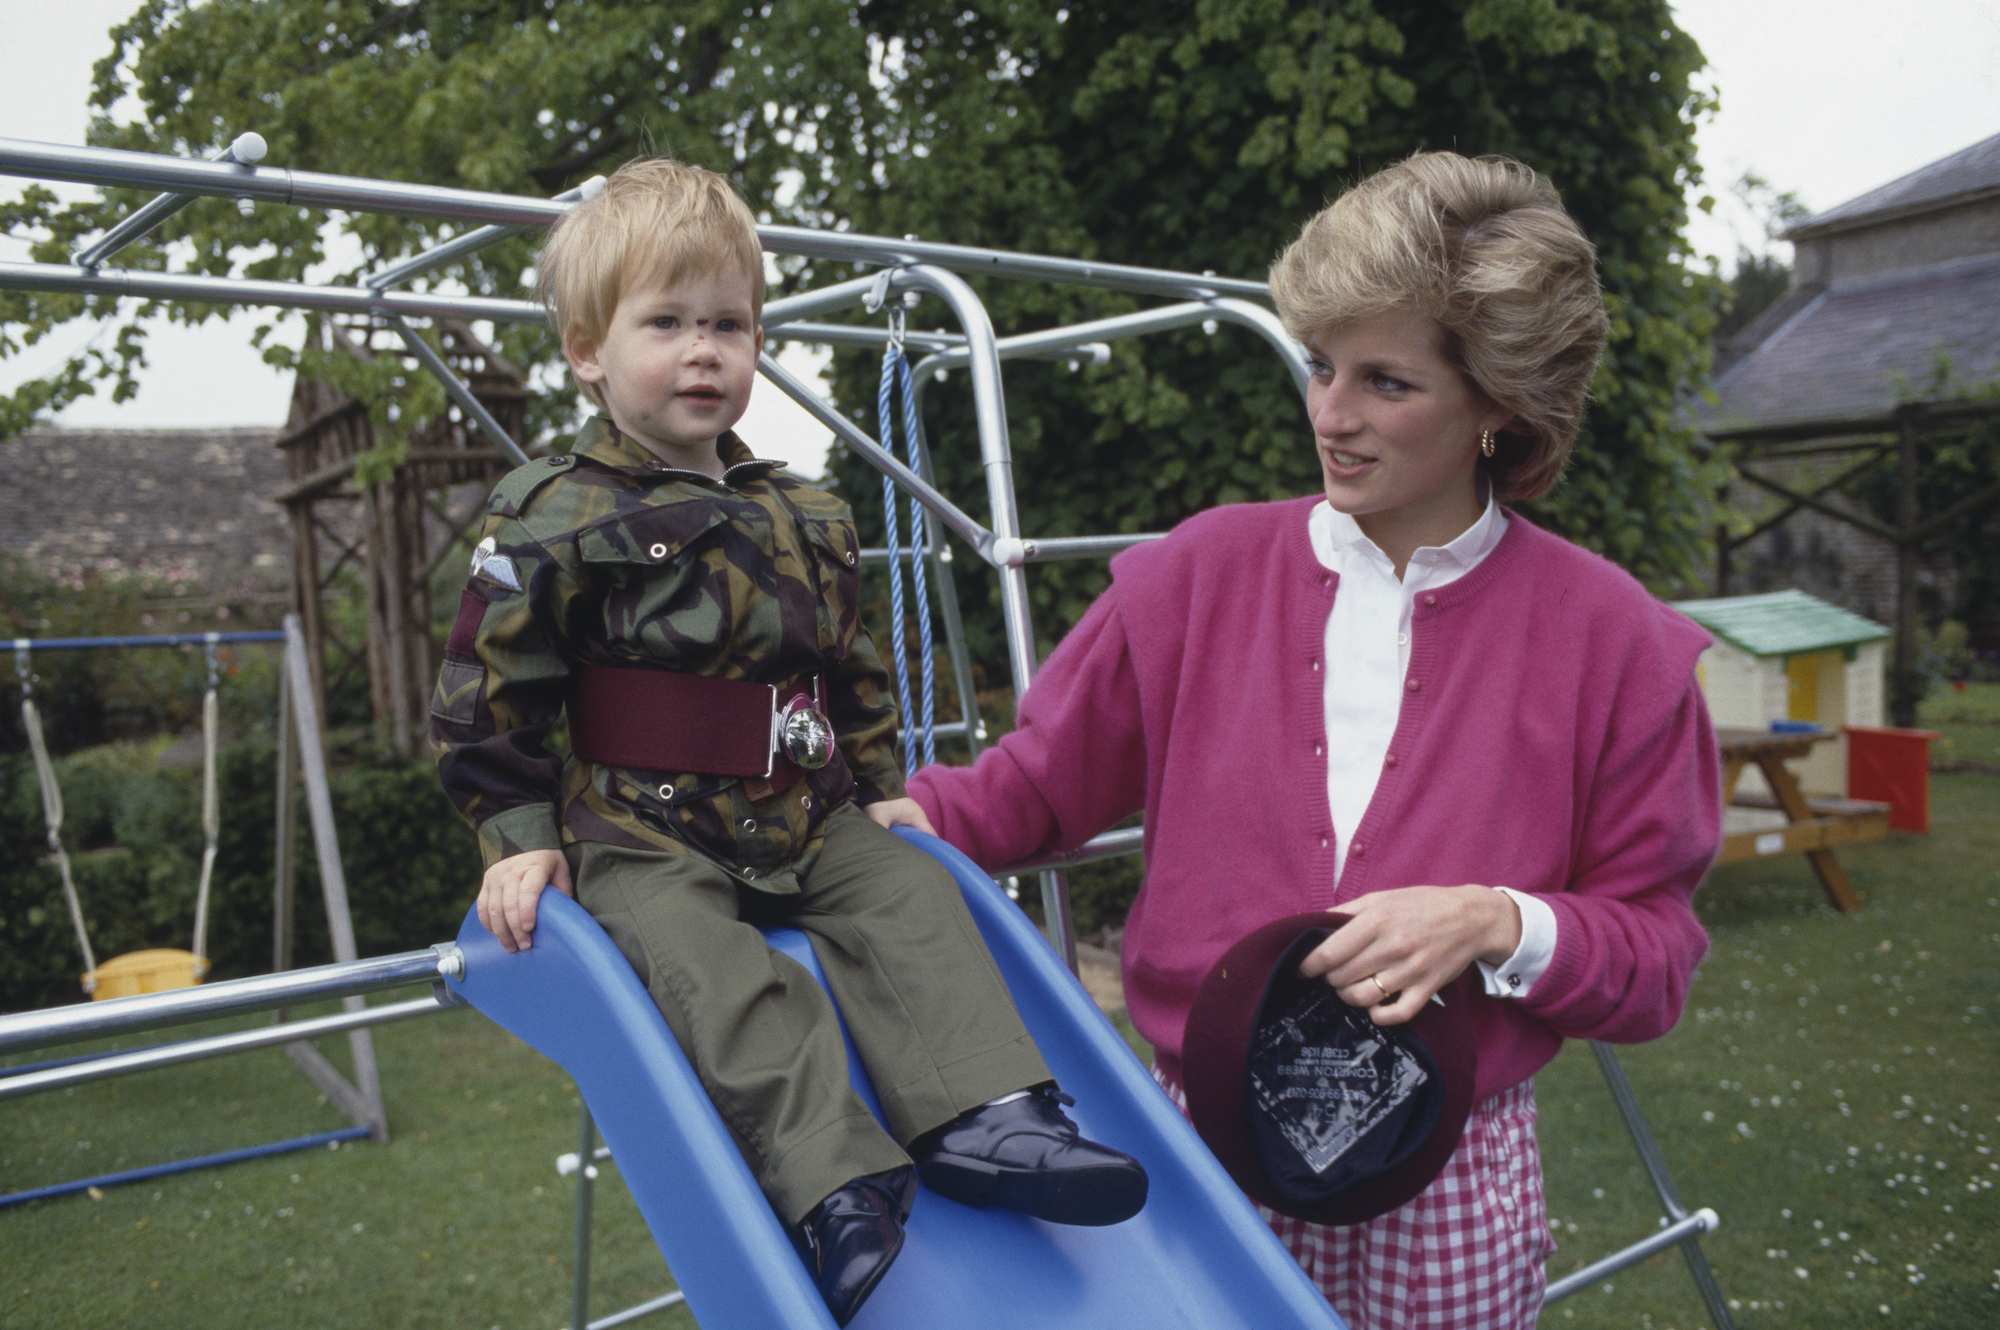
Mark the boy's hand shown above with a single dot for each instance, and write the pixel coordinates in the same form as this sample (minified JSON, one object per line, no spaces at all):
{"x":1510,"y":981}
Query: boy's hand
{"x":508,"y":892}
{"x":900,"y":813}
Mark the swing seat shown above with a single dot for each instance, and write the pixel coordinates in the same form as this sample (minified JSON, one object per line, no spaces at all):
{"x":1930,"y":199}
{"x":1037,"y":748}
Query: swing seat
{"x":152,"y":971}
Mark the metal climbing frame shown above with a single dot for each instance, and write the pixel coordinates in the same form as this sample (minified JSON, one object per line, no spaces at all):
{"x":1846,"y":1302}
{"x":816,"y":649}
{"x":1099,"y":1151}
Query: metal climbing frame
{"x":905,"y":267}
{"x":359,"y":1100}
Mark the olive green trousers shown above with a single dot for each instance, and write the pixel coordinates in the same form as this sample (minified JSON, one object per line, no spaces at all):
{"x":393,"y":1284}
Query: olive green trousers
{"x":928,"y":1011}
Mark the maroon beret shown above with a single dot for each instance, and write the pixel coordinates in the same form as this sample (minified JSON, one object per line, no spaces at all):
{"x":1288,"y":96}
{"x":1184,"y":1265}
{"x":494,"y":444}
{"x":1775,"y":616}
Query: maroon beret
{"x":1316,"y":1111}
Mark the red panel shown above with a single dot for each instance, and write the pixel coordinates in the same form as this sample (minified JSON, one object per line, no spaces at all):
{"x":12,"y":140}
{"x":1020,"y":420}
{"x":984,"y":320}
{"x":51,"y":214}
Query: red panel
{"x":1892,"y":767}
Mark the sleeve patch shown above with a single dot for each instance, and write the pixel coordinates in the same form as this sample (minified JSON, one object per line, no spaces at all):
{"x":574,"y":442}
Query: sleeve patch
{"x":490,"y":566}
{"x":461,"y":683}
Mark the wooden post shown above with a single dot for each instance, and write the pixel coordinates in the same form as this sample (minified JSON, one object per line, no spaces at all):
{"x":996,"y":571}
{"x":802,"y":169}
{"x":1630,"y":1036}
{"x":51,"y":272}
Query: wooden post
{"x":1903,"y":683}
{"x":306,"y":599}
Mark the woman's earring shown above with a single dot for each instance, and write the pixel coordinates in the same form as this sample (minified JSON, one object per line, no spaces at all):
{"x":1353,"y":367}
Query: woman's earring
{"x":1486,"y":443}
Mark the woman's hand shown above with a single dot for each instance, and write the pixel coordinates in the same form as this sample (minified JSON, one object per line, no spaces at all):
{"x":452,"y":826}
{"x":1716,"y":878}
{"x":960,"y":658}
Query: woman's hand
{"x":900,"y":813}
{"x":508,"y":892}
{"x":1399,"y":947}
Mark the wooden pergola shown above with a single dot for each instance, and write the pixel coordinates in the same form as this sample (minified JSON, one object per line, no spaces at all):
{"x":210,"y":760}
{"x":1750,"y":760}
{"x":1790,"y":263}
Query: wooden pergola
{"x":1856,"y":446}
{"x":395,"y":533}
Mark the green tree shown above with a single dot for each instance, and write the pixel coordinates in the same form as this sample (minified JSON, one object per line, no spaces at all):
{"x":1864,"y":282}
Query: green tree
{"x":1760,"y":276}
{"x":1193,"y":134}
{"x":1199,"y":135}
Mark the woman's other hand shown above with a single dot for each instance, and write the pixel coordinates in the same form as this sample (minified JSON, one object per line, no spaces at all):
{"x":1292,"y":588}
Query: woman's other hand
{"x":900,"y":813}
{"x":1399,"y":947}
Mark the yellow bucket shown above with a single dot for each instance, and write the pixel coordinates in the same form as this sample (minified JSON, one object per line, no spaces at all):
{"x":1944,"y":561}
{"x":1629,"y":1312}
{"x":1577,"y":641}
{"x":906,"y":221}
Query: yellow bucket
{"x":152,"y":971}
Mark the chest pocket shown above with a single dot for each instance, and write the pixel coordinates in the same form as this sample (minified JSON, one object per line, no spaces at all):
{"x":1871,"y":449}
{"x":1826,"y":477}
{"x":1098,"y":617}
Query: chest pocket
{"x":836,"y":552}
{"x":655,"y":592}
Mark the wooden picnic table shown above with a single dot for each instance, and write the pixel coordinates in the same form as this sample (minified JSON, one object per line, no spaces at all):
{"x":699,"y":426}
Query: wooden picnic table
{"x":1814,"y":824}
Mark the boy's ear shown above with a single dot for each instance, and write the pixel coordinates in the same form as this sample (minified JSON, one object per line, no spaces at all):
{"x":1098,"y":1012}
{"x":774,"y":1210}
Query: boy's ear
{"x":581,"y":353}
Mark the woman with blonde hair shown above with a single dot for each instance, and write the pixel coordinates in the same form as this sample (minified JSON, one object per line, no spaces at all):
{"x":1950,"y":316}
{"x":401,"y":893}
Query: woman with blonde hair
{"x":1401,"y":700}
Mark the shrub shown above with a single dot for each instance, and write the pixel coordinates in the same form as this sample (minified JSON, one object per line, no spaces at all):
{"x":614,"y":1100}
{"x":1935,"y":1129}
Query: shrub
{"x":134,"y":836}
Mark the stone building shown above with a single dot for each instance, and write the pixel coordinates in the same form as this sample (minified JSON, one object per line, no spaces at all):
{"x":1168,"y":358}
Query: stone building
{"x":1884,"y":348}
{"x":190,"y":505}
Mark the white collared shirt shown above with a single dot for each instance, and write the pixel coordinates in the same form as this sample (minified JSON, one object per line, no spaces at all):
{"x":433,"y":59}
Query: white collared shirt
{"x":1367,"y":656}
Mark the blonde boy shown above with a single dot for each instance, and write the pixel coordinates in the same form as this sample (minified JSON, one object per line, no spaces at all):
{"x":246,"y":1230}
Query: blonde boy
{"x":694,"y":613}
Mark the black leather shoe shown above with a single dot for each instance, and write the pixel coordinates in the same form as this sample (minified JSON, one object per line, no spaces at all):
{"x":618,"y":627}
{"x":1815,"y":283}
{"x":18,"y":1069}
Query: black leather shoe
{"x":1026,"y":1155}
{"x":850,"y":1239}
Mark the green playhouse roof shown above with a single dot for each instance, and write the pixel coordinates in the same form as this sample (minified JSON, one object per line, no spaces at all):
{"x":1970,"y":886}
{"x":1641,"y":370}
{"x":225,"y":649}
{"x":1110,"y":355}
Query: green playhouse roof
{"x":1781,"y":623}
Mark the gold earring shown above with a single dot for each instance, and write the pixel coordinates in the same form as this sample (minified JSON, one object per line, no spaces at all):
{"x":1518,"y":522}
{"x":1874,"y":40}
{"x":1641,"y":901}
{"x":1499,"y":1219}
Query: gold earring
{"x":1486,"y":443}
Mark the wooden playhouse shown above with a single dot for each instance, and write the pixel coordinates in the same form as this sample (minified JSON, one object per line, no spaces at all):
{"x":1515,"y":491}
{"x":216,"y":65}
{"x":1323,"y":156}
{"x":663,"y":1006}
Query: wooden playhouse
{"x":1786,"y":676}
{"x":1790,"y":657}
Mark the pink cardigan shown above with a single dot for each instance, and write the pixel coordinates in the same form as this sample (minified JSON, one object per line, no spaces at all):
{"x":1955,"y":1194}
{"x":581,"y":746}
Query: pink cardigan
{"x":1552,"y":739}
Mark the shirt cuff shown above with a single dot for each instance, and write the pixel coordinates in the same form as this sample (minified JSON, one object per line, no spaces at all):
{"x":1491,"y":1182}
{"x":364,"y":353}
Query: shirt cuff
{"x":1516,"y":975}
{"x":518,"y":830}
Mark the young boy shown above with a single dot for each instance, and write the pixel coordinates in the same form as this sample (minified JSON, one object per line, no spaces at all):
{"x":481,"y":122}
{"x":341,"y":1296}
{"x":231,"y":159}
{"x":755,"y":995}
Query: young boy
{"x":695,"y":613}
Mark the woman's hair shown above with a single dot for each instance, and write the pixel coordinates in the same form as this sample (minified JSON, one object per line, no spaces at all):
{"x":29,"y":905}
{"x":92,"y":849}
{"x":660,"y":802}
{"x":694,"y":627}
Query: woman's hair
{"x":655,"y":217}
{"x":1483,"y":248}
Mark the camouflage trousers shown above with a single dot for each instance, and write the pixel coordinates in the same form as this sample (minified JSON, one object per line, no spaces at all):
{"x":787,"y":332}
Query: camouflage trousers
{"x":927,"y":1009}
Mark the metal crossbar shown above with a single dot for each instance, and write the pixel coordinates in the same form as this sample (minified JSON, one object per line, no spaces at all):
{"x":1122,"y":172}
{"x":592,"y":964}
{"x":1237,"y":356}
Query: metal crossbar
{"x":359,"y":1099}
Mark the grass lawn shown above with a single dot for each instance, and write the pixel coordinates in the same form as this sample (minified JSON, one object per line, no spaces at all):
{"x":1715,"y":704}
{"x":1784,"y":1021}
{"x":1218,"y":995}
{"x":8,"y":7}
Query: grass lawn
{"x":1834,"y":1093}
{"x":460,"y":1220}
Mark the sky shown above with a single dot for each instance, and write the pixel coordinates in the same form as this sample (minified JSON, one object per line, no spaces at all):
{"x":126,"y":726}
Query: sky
{"x":1827,"y":99}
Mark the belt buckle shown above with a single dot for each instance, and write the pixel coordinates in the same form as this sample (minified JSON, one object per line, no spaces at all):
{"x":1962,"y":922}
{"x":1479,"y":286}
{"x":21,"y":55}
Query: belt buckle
{"x":804,"y":734}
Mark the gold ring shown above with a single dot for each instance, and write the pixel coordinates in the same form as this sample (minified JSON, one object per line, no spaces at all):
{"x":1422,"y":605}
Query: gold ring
{"x":1376,"y":980}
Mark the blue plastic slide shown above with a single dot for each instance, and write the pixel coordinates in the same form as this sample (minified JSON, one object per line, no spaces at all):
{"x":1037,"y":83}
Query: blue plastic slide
{"x":1197,"y":1256}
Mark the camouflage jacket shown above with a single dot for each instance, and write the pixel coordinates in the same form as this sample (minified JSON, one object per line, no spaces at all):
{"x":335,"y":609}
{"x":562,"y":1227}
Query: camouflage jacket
{"x":609,"y":556}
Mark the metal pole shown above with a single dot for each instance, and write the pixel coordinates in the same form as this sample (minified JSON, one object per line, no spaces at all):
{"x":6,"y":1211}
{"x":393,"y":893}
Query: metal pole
{"x":247,"y":150}
{"x":1104,"y":845}
{"x":26,"y":1030}
{"x":144,"y":640}
{"x":972,"y":726}
{"x":1663,"y":1183}
{"x":284,"y":867}
{"x":121,"y":282}
{"x":823,"y":300}
{"x":996,"y":457}
{"x":111,"y":166}
{"x":1685,"y":1231}
{"x":472,"y":241}
{"x":1075,"y":337}
{"x":876,"y":456}
{"x":586,"y":1177}
{"x":333,"y":882}
{"x":194,"y":1050}
{"x":456,"y":388}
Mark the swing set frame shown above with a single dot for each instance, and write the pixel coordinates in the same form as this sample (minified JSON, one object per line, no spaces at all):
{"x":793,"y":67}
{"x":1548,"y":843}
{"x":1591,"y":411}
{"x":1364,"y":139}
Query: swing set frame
{"x":906,"y":268}
{"x":358,"y":1100}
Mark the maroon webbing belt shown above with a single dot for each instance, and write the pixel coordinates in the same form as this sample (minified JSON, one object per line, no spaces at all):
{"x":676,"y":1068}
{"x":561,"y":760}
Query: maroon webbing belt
{"x":662,"y":720}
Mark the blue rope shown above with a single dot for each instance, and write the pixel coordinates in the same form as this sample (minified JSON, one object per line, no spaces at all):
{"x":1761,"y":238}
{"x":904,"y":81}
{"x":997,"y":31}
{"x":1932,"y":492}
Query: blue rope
{"x":920,"y":546}
{"x":896,"y":366}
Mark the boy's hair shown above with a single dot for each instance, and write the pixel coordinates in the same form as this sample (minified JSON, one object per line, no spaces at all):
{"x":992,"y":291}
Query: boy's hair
{"x":1485,"y":249}
{"x":655,"y":217}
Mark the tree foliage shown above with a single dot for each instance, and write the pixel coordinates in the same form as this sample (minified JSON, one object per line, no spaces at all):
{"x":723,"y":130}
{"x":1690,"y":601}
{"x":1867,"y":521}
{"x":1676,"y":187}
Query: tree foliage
{"x":1192,"y":134}
{"x":1199,"y":135}
{"x":519,"y":96}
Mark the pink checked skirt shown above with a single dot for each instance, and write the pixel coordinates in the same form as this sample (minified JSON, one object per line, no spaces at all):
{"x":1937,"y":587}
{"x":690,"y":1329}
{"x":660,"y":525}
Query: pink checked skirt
{"x":1466,"y":1254}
